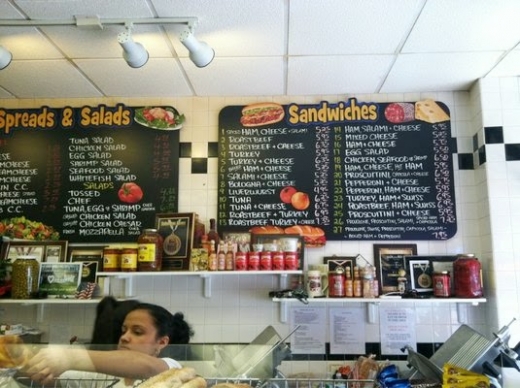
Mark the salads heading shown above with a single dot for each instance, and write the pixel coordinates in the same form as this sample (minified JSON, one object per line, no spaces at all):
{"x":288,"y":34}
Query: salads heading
{"x":91,"y":117}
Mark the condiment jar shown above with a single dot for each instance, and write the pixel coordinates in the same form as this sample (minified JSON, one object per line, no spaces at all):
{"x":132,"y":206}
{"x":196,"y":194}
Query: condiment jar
{"x":111,"y":259}
{"x":129,"y":259}
{"x":467,"y":280}
{"x":149,"y":250}
{"x":25,"y":277}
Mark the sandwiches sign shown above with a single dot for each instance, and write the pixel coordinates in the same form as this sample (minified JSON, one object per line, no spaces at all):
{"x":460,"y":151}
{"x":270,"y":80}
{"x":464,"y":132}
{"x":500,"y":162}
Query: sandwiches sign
{"x":338,"y":171}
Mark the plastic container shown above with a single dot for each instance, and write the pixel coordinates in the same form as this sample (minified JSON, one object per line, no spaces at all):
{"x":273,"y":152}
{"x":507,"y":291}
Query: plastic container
{"x":25,"y":277}
{"x":149,"y":251}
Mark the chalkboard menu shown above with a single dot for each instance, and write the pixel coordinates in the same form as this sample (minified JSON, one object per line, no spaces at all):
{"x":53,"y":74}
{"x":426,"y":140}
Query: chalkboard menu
{"x":358,"y":171}
{"x":95,"y":174}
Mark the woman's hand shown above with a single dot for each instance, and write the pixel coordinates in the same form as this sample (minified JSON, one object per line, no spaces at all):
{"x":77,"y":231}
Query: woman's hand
{"x":48,"y":364}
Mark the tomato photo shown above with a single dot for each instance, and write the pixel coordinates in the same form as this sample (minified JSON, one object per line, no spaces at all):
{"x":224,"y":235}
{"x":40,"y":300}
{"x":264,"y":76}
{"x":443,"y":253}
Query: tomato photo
{"x":130,"y":192}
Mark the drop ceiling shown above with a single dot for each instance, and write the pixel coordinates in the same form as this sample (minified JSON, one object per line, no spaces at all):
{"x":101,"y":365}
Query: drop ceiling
{"x":263,"y":47}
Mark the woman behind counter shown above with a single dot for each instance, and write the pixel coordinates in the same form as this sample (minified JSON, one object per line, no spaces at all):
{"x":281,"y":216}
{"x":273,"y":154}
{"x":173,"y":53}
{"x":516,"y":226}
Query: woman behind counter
{"x":146,"y":331}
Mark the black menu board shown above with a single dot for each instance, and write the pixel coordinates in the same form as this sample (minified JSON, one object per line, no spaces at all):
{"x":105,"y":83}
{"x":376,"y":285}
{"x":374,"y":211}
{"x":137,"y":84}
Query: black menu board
{"x":94,"y":174}
{"x":359,"y":171}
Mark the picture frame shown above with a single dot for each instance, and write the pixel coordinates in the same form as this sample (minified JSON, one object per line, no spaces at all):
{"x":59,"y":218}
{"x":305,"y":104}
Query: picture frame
{"x":177,"y":231}
{"x":60,"y":280}
{"x":87,"y":253}
{"x":347,"y":262}
{"x":285,"y":242}
{"x":43,"y":251}
{"x":421,"y":275}
{"x":391,"y":265}
{"x":438,"y":263}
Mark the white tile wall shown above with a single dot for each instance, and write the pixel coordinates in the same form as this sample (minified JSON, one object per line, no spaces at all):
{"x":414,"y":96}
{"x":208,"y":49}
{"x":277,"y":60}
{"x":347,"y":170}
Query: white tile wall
{"x":487,"y":201}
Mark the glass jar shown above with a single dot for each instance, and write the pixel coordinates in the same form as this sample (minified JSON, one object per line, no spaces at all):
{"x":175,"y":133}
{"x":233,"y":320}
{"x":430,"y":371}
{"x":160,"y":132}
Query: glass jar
{"x":111,"y":259}
{"x":149,"y":250}
{"x":129,"y":259}
{"x":25,"y":277}
{"x":467,"y":277}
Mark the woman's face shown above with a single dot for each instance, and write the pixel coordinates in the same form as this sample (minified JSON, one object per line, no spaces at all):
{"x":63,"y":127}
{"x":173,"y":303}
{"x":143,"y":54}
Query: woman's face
{"x":140,"y":334}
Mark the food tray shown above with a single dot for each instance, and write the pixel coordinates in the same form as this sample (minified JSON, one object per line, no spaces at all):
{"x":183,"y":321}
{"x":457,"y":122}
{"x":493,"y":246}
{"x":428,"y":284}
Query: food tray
{"x":69,"y":383}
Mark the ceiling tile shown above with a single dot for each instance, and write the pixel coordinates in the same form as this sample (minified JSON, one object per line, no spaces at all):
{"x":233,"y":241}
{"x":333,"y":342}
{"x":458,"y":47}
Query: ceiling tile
{"x":232,"y":27}
{"x":437,"y":72}
{"x":158,"y":78}
{"x":509,"y":66}
{"x":57,"y":9}
{"x":337,"y":74}
{"x":349,"y":27}
{"x":465,"y":25}
{"x":46,"y":79}
{"x":28,"y":43}
{"x":237,"y":76}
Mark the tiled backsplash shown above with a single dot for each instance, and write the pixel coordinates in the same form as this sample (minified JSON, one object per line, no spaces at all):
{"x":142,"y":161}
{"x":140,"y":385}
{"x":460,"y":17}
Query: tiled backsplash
{"x":239,"y":308}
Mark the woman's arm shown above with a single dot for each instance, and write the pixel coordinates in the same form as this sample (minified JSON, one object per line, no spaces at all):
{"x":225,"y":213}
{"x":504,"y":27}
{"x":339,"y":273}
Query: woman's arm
{"x":51,"y":362}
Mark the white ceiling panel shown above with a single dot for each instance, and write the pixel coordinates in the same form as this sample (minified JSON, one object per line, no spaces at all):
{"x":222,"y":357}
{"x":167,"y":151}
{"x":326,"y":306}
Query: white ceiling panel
{"x":269,"y":47}
{"x":158,"y":78}
{"x":46,"y":79}
{"x":465,"y":26}
{"x":349,"y":27}
{"x":237,"y":76}
{"x":437,"y":71}
{"x":336,"y":75}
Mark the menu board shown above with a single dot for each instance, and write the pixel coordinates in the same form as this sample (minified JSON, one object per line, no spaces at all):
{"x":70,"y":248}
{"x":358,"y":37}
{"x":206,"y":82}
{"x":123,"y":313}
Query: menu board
{"x":94,"y":174}
{"x":358,"y":171}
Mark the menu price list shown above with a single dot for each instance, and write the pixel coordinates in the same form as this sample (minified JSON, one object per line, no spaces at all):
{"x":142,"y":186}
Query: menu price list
{"x":87,"y":185}
{"x":357,"y":180}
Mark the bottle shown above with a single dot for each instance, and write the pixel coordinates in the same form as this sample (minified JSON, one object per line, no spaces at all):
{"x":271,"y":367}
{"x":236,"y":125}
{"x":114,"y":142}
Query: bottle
{"x":212,"y":257}
{"x":200,"y":230}
{"x":349,"y":286}
{"x":337,"y":283}
{"x":368,"y":282}
{"x":212,"y":233}
{"x":149,"y":250}
{"x":25,"y":277}
{"x":221,"y":256}
{"x":357,"y":287}
{"x":230,"y":257}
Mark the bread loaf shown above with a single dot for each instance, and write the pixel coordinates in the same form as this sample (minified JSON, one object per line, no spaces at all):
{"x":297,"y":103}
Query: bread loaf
{"x":267,"y":229}
{"x":171,"y":378}
{"x":13,"y":352}
{"x":197,"y":382}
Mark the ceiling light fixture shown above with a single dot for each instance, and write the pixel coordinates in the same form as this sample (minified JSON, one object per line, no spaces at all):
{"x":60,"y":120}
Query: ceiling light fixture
{"x":5,"y":58}
{"x":200,"y":53}
{"x":134,"y":53}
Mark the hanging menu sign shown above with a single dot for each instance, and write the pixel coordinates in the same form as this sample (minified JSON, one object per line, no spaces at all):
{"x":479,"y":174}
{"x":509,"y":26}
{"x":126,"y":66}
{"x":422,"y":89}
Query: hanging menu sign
{"x":94,"y":174}
{"x":350,"y":170}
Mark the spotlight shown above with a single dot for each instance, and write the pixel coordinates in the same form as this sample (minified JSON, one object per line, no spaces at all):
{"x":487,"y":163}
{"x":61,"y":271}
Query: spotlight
{"x":5,"y":58}
{"x":200,"y":53}
{"x":134,"y":53}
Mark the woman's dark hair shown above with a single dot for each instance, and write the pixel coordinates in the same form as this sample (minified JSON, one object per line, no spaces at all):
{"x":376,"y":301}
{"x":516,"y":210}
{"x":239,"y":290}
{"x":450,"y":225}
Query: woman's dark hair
{"x":110,"y":315}
{"x":172,"y":325}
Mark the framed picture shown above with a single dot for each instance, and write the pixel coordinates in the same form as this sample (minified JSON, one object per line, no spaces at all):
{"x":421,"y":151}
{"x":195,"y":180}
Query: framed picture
{"x":421,"y":275}
{"x":43,"y":251}
{"x":60,"y":280}
{"x":283,"y":242}
{"x":438,"y":263}
{"x":86,"y":253}
{"x":177,"y":231}
{"x":390,"y":262}
{"x":347,"y":262}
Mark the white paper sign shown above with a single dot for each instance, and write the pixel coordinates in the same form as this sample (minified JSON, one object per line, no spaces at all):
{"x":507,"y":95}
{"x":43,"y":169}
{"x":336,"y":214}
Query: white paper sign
{"x":310,"y":337}
{"x":347,"y":330}
{"x":397,"y":329}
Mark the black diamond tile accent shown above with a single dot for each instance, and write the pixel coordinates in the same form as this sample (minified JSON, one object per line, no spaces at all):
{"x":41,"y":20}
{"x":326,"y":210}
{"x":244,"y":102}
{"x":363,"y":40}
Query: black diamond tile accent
{"x":199,"y":165}
{"x":475,"y":142}
{"x":185,"y":150}
{"x":482,"y":155}
{"x":512,"y":151}
{"x":213,"y":149}
{"x":466,"y":162}
{"x":454,"y":146}
{"x":494,"y":135}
